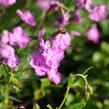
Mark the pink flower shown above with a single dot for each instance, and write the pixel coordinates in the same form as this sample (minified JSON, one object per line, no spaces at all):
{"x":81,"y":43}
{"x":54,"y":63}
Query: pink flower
{"x":53,"y":57}
{"x":21,"y":107}
{"x":93,"y":34}
{"x":7,"y":2}
{"x":76,"y":16}
{"x":44,"y":4}
{"x":84,"y":4}
{"x":8,"y":55}
{"x":62,"y":20}
{"x":27,"y":17}
{"x":18,"y":37}
{"x":4,"y":37}
{"x":61,"y":41}
{"x":98,"y":13}
{"x":40,"y":39}
{"x":12,"y":61}
{"x":47,"y":4}
{"x":37,"y":61}
{"x":6,"y":51}
{"x":51,"y":52}
{"x":54,"y":76}
{"x":88,"y":5}
{"x":75,"y":33}
{"x":80,"y":3}
{"x":48,"y":51}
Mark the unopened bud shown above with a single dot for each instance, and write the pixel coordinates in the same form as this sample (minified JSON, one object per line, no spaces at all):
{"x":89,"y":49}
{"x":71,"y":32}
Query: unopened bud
{"x":87,"y":96}
{"x":90,"y":90}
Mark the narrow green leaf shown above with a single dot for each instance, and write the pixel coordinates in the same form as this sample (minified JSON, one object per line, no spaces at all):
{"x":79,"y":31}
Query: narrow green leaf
{"x":15,"y":99}
{"x":71,"y":80}
{"x":87,"y":70}
{"x":37,"y":106}
{"x":77,"y":105}
{"x":49,"y":106}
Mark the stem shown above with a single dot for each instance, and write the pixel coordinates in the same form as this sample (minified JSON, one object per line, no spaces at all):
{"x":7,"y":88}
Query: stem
{"x":87,"y":70}
{"x":84,"y":77}
{"x":18,"y":23}
{"x":66,"y":94}
{"x":86,"y":83}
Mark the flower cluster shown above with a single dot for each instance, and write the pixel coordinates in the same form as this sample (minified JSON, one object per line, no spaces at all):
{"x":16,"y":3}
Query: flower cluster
{"x":47,"y":60}
{"x":96,"y":12}
{"x":7,"y":39}
{"x":18,"y":37}
{"x":51,"y":52}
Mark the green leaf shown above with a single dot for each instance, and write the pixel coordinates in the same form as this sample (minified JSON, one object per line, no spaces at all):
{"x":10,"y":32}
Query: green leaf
{"x":71,"y":80}
{"x":49,"y":106}
{"x":15,"y":99}
{"x":77,"y":105}
{"x":45,"y":82}
{"x":87,"y":70}
{"x":80,"y":83}
{"x":4,"y":72}
{"x":37,"y":106}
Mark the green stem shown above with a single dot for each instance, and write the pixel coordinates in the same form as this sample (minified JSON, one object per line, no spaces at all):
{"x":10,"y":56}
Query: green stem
{"x":87,"y":70}
{"x":66,"y":94}
{"x":82,"y":76}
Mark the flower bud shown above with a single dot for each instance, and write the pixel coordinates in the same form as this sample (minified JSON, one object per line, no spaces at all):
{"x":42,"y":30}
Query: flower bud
{"x":90,"y":90}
